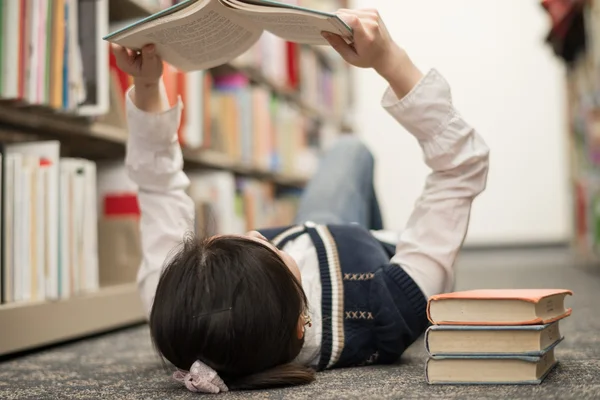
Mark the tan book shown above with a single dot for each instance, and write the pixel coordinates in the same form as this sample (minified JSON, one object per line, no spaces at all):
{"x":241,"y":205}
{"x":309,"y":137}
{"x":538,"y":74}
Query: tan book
{"x":489,"y":369}
{"x":448,"y":340}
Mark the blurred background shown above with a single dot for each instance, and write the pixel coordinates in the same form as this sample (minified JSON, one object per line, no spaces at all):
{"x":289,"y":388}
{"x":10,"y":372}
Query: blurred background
{"x":508,"y":83}
{"x":523,"y":73}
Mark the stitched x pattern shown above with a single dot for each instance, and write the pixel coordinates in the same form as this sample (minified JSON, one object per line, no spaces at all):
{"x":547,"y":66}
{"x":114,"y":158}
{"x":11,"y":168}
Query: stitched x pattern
{"x":358,"y":315}
{"x":358,"y":277}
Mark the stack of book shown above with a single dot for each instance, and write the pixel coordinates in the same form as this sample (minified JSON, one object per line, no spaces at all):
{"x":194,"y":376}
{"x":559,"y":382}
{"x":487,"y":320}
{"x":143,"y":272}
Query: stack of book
{"x":494,"y":336}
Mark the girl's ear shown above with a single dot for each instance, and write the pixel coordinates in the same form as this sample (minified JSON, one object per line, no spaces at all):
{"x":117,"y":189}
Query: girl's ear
{"x":300,"y":327}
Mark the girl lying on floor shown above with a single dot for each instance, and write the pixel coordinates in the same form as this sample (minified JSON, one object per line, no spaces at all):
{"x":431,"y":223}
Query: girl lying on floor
{"x":334,"y":290}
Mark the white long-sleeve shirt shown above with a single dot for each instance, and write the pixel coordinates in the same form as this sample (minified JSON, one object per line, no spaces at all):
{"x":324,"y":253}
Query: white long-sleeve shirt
{"x":426,"y":248}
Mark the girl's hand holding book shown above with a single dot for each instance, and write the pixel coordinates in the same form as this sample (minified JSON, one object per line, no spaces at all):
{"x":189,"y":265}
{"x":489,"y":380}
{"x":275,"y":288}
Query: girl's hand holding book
{"x":374,"y":48}
{"x":146,"y":68}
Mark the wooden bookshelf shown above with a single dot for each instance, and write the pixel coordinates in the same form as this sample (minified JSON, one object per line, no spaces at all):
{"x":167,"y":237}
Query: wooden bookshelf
{"x":50,"y":322}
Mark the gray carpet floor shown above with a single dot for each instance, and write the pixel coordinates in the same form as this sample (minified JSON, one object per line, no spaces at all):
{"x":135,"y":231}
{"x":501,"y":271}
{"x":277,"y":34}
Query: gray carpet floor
{"x":123,"y":365}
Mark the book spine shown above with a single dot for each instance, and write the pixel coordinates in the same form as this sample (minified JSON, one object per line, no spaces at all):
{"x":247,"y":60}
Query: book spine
{"x":426,"y":340}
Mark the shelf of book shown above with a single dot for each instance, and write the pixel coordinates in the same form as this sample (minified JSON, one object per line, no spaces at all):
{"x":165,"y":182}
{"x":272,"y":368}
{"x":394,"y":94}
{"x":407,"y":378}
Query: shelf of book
{"x":65,"y":127}
{"x":30,"y":325}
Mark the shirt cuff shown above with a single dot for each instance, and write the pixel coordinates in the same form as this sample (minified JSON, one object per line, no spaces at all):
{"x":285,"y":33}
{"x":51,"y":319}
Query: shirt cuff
{"x":426,"y":110}
{"x":153,"y":130}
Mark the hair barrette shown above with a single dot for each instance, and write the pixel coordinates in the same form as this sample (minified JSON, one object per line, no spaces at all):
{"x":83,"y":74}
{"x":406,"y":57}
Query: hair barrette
{"x":201,"y":378}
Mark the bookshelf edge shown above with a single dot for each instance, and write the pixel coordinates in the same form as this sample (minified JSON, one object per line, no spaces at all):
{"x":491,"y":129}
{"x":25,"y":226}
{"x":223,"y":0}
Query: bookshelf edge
{"x":34,"y":325}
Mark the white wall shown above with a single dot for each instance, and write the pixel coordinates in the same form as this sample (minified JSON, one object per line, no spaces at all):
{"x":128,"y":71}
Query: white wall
{"x":508,"y":85}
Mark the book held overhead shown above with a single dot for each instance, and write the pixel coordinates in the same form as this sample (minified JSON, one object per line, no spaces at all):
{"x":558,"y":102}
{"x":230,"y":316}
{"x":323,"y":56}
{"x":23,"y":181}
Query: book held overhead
{"x":202,"y":34}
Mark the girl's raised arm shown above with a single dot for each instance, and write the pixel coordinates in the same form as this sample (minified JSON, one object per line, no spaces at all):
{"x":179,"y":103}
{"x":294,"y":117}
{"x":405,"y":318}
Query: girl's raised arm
{"x":155,"y":163}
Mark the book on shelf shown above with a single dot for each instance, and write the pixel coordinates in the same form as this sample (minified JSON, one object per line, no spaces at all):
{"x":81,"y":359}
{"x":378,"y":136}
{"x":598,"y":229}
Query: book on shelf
{"x":78,"y":251}
{"x":494,"y":336}
{"x":498,"y":307}
{"x":202,"y":34}
{"x":49,"y":240}
{"x":92,"y":17}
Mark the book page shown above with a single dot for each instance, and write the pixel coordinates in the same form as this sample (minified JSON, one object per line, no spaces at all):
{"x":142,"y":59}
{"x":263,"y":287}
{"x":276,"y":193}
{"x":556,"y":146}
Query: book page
{"x":211,"y":36}
{"x":294,"y":27}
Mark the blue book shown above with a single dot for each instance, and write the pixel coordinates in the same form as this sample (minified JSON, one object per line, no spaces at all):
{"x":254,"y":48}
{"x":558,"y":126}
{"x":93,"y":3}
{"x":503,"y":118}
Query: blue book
{"x":201,"y":34}
{"x":490,"y":369}
{"x":461,"y":340}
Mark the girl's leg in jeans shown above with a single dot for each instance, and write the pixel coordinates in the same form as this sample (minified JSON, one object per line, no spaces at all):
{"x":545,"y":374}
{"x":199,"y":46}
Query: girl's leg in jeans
{"x":342,"y":191}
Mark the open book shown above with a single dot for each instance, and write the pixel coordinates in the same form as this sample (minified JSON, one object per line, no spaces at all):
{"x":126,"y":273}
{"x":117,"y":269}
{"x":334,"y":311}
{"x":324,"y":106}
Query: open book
{"x":202,"y":34}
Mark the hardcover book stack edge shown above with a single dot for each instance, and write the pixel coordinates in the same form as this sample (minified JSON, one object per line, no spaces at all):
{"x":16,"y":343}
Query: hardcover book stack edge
{"x":494,"y":337}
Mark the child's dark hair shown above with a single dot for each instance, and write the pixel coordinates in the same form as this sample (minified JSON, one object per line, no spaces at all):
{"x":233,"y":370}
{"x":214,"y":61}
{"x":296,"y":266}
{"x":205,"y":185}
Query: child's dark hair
{"x":233,"y":304}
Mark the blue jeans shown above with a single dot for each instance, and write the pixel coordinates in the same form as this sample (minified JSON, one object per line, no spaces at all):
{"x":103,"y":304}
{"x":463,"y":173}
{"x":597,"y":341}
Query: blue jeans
{"x":342,"y":190}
